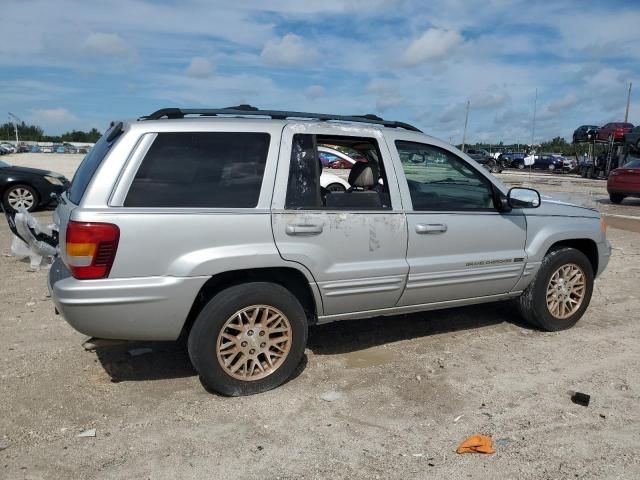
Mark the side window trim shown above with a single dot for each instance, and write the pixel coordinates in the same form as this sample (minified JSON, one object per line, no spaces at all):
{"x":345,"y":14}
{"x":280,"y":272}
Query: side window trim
{"x":131,"y":168}
{"x":477,"y":173}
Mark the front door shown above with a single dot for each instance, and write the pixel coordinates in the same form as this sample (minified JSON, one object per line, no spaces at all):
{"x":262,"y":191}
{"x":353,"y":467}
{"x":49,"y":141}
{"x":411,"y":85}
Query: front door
{"x":460,"y":246}
{"x":353,"y":242}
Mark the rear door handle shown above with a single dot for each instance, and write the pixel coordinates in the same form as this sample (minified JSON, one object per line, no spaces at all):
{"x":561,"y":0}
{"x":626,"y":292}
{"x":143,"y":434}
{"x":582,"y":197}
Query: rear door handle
{"x":296,"y":229}
{"x":430,"y":228}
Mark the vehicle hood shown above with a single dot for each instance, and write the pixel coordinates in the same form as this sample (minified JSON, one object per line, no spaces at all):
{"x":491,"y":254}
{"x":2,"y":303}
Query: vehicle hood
{"x":32,"y":171}
{"x":552,"y":206}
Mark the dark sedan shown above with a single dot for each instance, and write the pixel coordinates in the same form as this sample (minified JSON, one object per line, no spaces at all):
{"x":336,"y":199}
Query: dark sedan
{"x":614,"y":130}
{"x":28,"y":187}
{"x":543,"y":162}
{"x":585,"y":133}
{"x":485,"y":159}
{"x":633,"y":138}
{"x":624,"y":181}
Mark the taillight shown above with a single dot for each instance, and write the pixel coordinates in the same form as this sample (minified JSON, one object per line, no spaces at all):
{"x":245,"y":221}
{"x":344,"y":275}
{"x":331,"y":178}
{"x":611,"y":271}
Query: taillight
{"x":91,"y":249}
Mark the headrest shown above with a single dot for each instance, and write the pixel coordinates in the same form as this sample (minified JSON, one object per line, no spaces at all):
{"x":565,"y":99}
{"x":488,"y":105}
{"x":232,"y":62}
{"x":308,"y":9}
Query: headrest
{"x":361,"y":176}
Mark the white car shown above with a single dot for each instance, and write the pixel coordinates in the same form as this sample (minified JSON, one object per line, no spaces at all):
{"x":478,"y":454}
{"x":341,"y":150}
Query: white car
{"x":333,"y":182}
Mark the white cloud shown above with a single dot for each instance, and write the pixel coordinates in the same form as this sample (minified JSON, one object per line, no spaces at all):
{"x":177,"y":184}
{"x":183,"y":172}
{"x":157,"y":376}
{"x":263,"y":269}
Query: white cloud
{"x":199,"y":68}
{"x":110,"y":44}
{"x":288,"y":50}
{"x":433,"y":44}
{"x":564,"y":103}
{"x":314,"y":92}
{"x":53,"y":115}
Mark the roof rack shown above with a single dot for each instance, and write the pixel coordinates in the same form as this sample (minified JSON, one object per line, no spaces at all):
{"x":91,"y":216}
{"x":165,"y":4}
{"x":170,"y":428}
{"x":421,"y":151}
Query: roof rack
{"x":250,"y":111}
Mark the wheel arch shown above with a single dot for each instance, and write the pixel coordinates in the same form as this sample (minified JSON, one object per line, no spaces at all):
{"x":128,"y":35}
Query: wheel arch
{"x":288,"y":277}
{"x":584,"y":245}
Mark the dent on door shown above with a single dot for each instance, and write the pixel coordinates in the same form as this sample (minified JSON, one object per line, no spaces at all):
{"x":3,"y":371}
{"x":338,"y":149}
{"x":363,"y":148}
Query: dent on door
{"x":357,"y":259}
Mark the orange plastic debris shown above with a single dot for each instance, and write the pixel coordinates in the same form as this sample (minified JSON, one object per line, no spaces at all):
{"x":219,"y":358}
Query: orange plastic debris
{"x":476,"y":444}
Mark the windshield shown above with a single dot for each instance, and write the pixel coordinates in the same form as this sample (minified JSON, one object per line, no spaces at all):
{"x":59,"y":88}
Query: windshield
{"x":633,"y":162}
{"x":4,"y":164}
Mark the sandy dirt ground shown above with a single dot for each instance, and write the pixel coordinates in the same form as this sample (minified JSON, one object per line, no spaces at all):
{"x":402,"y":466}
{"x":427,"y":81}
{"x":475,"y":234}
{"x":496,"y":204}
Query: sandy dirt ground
{"x":404,"y":390}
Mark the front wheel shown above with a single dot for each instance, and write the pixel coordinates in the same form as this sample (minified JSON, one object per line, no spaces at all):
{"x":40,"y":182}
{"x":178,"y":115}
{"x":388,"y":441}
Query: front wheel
{"x":248,"y":339}
{"x":20,"y":196}
{"x":521,"y":166}
{"x":560,"y":292}
{"x":552,"y":167}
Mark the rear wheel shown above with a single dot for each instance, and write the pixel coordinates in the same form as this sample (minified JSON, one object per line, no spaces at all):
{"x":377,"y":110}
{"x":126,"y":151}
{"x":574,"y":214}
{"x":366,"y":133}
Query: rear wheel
{"x":560,"y":292}
{"x":521,"y":165}
{"x":248,"y":339}
{"x":336,"y":187}
{"x":20,"y":196}
{"x":616,"y":198}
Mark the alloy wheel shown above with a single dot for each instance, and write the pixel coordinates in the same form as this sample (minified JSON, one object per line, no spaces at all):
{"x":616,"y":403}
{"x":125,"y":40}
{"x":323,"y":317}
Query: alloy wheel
{"x":565,"y":291}
{"x":20,"y":197}
{"x":254,"y":342}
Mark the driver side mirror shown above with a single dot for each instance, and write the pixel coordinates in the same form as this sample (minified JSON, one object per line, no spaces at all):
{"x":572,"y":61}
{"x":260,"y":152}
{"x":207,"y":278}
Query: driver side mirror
{"x":519,"y":197}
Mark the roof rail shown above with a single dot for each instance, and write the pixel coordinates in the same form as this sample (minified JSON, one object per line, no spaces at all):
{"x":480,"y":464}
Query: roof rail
{"x":250,"y":111}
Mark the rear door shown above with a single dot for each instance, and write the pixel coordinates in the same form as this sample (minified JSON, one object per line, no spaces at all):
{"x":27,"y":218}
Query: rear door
{"x":460,"y":246}
{"x":355,"y":251}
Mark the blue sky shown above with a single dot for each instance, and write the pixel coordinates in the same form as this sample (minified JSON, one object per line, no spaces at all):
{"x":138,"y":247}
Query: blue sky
{"x":79,"y":64}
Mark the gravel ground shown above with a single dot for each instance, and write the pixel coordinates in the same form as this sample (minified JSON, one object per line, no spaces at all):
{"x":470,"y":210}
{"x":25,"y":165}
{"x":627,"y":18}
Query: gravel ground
{"x":404,"y":390}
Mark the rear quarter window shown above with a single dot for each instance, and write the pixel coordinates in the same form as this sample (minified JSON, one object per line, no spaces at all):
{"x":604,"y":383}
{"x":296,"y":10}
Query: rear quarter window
{"x":90,"y":164}
{"x":201,"y":170}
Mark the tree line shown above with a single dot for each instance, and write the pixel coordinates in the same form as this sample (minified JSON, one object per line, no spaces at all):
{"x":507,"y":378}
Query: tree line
{"x":36,"y":134}
{"x":555,"y":145}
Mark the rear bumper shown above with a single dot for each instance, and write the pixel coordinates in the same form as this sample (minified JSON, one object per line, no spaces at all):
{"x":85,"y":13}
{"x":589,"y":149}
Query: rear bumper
{"x":149,"y":308}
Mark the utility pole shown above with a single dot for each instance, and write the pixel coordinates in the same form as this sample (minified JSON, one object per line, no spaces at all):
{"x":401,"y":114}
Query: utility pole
{"x":466,"y":120}
{"x":626,"y":113}
{"x":533,"y":123}
{"x":15,"y":126}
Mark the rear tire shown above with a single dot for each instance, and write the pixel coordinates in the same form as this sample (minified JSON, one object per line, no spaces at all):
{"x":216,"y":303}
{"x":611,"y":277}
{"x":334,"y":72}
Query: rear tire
{"x":521,"y":166}
{"x":552,"y":287}
{"x":616,"y":198}
{"x":336,"y":187}
{"x":264,"y":351}
{"x":495,"y":168}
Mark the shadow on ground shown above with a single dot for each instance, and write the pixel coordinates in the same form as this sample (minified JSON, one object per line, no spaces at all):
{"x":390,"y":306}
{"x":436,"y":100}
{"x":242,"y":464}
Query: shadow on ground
{"x":129,"y":361}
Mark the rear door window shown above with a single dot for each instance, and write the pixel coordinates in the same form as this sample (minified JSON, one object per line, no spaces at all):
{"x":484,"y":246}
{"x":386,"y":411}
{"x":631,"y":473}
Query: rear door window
{"x":201,"y":169}
{"x":90,"y":164}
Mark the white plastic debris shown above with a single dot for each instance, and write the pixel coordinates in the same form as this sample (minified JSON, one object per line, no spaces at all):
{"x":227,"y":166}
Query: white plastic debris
{"x":88,"y":433}
{"x":37,"y":250}
{"x":330,"y":396}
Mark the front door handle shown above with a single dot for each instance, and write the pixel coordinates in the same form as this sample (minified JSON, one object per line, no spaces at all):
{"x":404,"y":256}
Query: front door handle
{"x":297,"y":229}
{"x":429,"y":228}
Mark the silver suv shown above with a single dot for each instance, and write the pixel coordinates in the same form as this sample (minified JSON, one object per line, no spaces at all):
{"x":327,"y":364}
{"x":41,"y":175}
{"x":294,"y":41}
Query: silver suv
{"x":213,"y":224}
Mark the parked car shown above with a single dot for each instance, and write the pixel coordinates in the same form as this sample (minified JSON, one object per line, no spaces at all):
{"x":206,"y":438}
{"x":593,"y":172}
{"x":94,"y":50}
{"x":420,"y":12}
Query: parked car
{"x":485,"y":159}
{"x":333,"y":183}
{"x":543,"y":162}
{"x":46,"y":149}
{"x":585,"y":133}
{"x":35,"y":149}
{"x":60,"y":149}
{"x":28,"y":187}
{"x":510,"y":159}
{"x":219,"y":230}
{"x":8,"y":147}
{"x":615,"y":130}
{"x":337,"y":159}
{"x":24,"y":148}
{"x":4,"y":151}
{"x":632,"y":138}
{"x":624,"y":181}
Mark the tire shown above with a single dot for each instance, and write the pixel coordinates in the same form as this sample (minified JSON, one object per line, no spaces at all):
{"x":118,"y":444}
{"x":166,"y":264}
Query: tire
{"x":521,"y":166}
{"x":616,"y":198}
{"x":533,"y":303}
{"x":336,"y":187}
{"x":551,"y":167}
{"x":220,"y":315}
{"x":495,"y":168}
{"x":20,"y":195}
